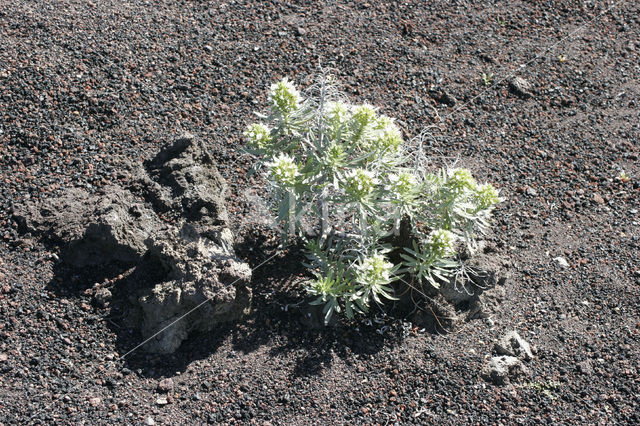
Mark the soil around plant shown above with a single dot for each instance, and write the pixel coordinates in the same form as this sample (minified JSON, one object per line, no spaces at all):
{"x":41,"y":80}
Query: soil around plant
{"x":88,"y":86}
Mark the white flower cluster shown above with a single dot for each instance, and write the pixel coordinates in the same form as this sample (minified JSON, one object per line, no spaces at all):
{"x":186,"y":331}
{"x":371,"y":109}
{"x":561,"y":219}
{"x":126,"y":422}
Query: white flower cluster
{"x":403,"y":183}
{"x":284,"y":170}
{"x":460,"y":180}
{"x":337,"y":113}
{"x":360,"y":183}
{"x":375,"y":270}
{"x":361,"y":124}
{"x":258,"y":135}
{"x":442,"y":242}
{"x":284,"y":97}
{"x":386,"y":136}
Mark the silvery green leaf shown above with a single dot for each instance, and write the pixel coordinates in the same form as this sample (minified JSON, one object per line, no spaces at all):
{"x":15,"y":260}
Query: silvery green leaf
{"x":349,"y":309}
{"x":361,"y":303}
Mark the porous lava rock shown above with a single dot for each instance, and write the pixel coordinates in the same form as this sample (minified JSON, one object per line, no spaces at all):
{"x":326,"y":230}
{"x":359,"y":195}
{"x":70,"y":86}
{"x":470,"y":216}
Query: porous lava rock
{"x":502,"y":370}
{"x":513,"y":345}
{"x":520,"y":87}
{"x":201,"y":274}
{"x":92,"y":229}
{"x":169,"y":223}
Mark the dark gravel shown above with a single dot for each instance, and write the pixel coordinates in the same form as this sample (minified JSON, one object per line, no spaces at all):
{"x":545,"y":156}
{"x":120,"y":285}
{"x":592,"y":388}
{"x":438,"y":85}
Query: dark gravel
{"x":84,"y":84}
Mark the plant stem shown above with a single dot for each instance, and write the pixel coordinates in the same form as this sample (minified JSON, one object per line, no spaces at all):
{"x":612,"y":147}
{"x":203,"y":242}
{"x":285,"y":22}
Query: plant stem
{"x":292,"y":212}
{"x":396,"y":225}
{"x":363,"y":222}
{"x":324,"y":219}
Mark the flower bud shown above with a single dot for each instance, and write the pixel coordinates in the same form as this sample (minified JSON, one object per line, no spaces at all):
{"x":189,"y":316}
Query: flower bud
{"x":363,"y":115}
{"x":486,"y":196}
{"x":335,"y":156}
{"x":461,"y":180}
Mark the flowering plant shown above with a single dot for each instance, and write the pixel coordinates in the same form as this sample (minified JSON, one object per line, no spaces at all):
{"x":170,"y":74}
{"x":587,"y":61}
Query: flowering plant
{"x":347,"y":169}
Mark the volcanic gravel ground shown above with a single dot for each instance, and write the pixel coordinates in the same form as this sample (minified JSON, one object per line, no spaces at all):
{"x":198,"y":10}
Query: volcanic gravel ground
{"x":85,"y":84}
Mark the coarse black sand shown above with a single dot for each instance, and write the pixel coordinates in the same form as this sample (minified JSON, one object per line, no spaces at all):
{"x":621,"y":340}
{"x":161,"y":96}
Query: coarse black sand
{"x":84,"y":84}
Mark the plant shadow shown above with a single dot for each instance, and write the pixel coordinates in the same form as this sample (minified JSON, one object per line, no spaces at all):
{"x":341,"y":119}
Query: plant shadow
{"x":282,"y":320}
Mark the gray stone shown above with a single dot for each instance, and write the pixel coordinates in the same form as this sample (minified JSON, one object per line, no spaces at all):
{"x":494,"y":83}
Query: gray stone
{"x":443,"y":97}
{"x":95,"y":401}
{"x":183,"y":181}
{"x":437,"y":315}
{"x":501,"y":370}
{"x":165,"y":385}
{"x":481,"y":287}
{"x":561,"y":261}
{"x":471,"y":294}
{"x":448,"y":99}
{"x":513,"y":345}
{"x":201,"y":275}
{"x":585,"y":367}
{"x":520,"y":87}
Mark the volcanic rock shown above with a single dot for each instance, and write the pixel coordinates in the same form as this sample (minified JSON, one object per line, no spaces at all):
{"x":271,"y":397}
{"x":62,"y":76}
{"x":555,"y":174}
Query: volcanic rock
{"x":501,"y":370}
{"x":520,"y":87}
{"x":513,"y":345}
{"x":169,"y":223}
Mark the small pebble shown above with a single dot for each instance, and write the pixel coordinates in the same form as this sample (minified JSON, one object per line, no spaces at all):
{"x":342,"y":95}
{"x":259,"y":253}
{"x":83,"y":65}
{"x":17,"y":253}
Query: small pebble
{"x":520,"y":87}
{"x":165,"y":385}
{"x":598,"y":199}
{"x":561,"y":261}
